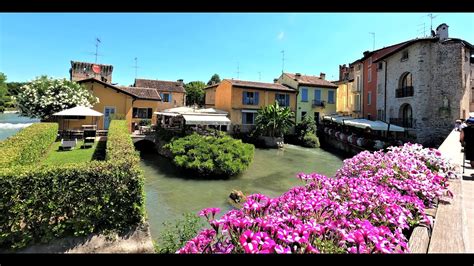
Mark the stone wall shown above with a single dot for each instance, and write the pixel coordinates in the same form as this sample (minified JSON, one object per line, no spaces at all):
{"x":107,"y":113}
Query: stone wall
{"x":440,"y":92}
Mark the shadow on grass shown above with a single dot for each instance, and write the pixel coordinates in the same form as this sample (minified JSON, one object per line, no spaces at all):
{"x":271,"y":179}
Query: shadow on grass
{"x":99,"y":152}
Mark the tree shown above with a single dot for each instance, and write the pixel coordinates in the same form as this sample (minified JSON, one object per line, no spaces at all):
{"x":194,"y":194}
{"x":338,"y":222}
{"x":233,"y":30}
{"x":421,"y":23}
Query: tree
{"x":274,"y":121}
{"x":3,"y":91}
{"x":215,"y":78}
{"x":195,"y":92}
{"x":14,"y":88}
{"x":306,"y":132}
{"x":44,"y":96}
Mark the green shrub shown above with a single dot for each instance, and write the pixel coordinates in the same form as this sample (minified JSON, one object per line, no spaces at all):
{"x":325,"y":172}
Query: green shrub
{"x":208,"y":155}
{"x":310,"y":140}
{"x":175,"y":235}
{"x":46,"y":202}
{"x":29,"y":145}
{"x":306,"y":132}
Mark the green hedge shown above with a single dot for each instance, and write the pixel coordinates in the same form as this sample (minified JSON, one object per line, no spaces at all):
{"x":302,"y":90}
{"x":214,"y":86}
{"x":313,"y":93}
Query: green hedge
{"x":42,"y":203}
{"x":208,"y":155}
{"x":29,"y":145}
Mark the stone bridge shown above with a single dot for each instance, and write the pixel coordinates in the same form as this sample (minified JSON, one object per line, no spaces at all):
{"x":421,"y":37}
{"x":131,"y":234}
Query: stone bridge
{"x":136,"y":138}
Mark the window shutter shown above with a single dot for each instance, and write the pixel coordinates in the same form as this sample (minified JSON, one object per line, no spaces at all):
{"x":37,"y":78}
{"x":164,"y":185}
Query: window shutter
{"x":170,"y":97}
{"x":244,"y":96}
{"x":244,"y":121}
{"x":256,"y":98}
{"x":161,"y":96}
{"x":287,"y":100}
{"x":150,"y":112}
{"x":135,"y":110}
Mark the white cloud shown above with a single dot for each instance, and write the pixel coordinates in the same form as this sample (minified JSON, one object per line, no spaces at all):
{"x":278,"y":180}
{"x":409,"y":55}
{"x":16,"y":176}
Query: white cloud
{"x":281,"y":35}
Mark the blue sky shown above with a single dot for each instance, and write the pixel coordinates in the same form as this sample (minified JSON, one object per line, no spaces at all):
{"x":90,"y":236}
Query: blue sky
{"x":193,"y":46}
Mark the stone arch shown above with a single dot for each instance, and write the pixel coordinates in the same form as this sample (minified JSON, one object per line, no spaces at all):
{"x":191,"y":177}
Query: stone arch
{"x":145,"y":145}
{"x":405,"y":114}
{"x":406,"y":80}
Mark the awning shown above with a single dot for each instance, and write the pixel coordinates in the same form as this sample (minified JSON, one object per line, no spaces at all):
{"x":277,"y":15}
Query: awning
{"x":78,"y":111}
{"x":167,"y":114}
{"x":338,"y":119}
{"x":373,"y":125}
{"x":206,"y":120}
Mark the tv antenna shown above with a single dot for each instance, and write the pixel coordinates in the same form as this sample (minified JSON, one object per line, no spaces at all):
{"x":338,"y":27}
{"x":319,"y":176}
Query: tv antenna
{"x":373,"y":37}
{"x":430,"y":15}
{"x":282,"y":60}
{"x":136,"y":66}
{"x":424,"y":29}
{"x":238,"y":70}
{"x":97,"y":41}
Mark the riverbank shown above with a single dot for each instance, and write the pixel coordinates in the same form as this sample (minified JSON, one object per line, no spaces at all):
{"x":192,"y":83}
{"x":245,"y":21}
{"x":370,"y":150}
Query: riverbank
{"x":137,"y":240}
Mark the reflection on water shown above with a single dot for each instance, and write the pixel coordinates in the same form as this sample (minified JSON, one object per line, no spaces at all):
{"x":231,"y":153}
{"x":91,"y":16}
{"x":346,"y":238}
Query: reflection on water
{"x":12,"y":123}
{"x":171,"y":191}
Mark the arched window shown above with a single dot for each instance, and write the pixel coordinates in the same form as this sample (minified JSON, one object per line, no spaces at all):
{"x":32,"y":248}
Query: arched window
{"x":405,"y":88}
{"x":406,"y":115}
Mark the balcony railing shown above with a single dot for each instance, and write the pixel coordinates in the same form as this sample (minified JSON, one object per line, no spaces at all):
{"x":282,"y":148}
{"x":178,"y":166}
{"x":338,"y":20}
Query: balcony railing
{"x":404,"y":92}
{"x":319,"y":103}
{"x":403,"y":122}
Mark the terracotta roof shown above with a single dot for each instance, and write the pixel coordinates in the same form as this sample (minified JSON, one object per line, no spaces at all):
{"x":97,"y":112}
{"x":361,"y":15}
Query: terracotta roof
{"x":160,"y":85}
{"x":311,"y":80}
{"x":259,"y":85}
{"x":142,"y":93}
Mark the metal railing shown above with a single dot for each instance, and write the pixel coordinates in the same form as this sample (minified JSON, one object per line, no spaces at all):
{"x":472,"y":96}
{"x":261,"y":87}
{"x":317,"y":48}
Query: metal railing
{"x":404,"y":92}
{"x":319,"y":103}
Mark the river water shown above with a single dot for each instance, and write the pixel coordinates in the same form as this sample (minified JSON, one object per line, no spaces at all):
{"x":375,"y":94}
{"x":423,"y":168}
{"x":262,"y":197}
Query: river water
{"x":171,"y":192}
{"x":11,"y":123}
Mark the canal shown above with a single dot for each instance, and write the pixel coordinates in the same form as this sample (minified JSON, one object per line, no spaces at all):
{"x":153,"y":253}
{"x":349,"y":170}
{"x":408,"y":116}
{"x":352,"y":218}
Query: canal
{"x":10,"y":123}
{"x":171,"y":192}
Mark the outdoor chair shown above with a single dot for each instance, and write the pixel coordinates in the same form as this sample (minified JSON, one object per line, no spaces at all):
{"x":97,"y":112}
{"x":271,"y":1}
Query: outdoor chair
{"x":89,"y":138}
{"x":68,"y":144}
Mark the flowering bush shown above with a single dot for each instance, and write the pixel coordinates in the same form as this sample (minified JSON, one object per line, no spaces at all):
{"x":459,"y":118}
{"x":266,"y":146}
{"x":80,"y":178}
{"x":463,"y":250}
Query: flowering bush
{"x":44,"y":96}
{"x":367,"y":207}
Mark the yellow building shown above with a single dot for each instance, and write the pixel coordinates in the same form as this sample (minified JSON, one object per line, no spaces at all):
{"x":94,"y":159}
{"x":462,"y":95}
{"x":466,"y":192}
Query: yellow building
{"x":242,"y":100}
{"x":133,"y":103}
{"x":316,"y":96}
{"x":173,"y":93}
{"x":345,"y":98}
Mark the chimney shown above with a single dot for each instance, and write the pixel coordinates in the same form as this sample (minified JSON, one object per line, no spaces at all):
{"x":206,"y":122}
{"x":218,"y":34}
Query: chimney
{"x":322,"y":75}
{"x":275,"y":80}
{"x":442,"y":32}
{"x":297,"y":75}
{"x":180,"y":82}
{"x":366,"y":53}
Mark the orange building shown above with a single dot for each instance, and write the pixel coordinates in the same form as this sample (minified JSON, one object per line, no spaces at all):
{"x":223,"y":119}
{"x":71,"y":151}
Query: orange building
{"x":242,"y":100}
{"x":135,"y":104}
{"x":172,"y":93}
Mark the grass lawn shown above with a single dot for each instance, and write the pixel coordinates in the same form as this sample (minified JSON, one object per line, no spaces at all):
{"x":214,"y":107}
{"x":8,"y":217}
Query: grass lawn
{"x":76,"y":155}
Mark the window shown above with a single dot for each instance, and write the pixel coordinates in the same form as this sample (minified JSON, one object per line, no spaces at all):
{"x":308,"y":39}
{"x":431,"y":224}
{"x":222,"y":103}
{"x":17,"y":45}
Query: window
{"x":303,"y":114}
{"x":283,"y":99}
{"x":331,"y":96}
{"x":317,"y":95}
{"x":146,"y":113}
{"x":250,"y":98}
{"x":248,"y":118}
{"x":165,"y":97}
{"x":358,"y":83}
{"x":369,"y":74}
{"x":380,"y":66}
{"x":369,"y":98}
{"x":359,"y":66}
{"x":304,"y":95}
{"x":370,"y":61}
{"x":404,"y":55}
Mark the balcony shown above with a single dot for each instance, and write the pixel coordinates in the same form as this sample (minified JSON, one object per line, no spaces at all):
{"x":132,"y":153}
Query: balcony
{"x":318,"y":103}
{"x":407,"y":122}
{"x":404,"y":92}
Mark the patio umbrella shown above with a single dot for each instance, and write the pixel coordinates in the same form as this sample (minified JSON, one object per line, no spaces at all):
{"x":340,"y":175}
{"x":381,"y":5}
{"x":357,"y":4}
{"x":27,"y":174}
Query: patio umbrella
{"x":78,"y":111}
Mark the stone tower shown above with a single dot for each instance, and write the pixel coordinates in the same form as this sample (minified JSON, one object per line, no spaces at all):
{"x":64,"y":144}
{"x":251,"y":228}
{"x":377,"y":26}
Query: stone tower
{"x":83,"y":70}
